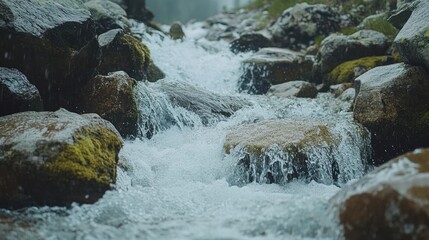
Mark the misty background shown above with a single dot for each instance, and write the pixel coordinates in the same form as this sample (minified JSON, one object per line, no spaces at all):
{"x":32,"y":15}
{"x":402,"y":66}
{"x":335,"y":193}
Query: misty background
{"x":168,"y":11}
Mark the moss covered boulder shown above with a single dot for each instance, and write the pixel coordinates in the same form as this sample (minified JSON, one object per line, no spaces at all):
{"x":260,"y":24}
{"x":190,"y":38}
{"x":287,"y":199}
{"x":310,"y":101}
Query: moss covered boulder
{"x":56,"y":158}
{"x":338,"y":48}
{"x":17,"y":94}
{"x":270,"y":66}
{"x":412,"y":42}
{"x":392,"y":202}
{"x":393,"y":103}
{"x":123,"y":52}
{"x":113,"y":97}
{"x":348,"y":71}
{"x":278,"y":151}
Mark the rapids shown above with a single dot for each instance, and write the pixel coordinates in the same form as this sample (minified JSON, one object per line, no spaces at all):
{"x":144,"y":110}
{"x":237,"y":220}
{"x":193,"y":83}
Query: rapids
{"x":177,"y":184}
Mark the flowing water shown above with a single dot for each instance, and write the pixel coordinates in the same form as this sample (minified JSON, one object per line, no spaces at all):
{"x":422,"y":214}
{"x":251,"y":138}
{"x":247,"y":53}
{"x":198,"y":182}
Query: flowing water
{"x":179,"y":183}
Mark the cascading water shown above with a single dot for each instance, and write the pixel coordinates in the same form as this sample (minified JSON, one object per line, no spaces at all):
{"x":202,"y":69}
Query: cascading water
{"x":176,"y":182}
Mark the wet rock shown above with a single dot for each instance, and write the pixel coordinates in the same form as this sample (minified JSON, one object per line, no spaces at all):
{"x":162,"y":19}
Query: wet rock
{"x":136,"y":9}
{"x":339,"y":89}
{"x":17,"y":94}
{"x":300,"y":89}
{"x":337,"y":49}
{"x":389,"y":203}
{"x":298,"y":26}
{"x":164,"y":104}
{"x":348,"y":71}
{"x":123,"y":52}
{"x":412,"y":42}
{"x":154,"y":73}
{"x":250,"y":42}
{"x":176,"y":31}
{"x":401,"y":15}
{"x":112,"y":97}
{"x":278,"y":151}
{"x":50,"y":42}
{"x":271,"y":66}
{"x":107,"y":15}
{"x":56,"y":158}
{"x":392,"y":102}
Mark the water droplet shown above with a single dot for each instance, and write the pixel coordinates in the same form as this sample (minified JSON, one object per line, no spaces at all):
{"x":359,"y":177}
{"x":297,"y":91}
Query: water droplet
{"x":6,"y":55}
{"x":46,"y":73}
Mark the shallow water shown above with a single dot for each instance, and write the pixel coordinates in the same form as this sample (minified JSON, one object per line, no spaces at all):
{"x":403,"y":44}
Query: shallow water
{"x":177,"y":185}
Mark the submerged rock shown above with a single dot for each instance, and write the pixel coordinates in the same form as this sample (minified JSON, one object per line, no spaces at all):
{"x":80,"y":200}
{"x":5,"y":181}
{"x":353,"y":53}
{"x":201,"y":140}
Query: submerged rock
{"x":392,"y":102}
{"x":123,"y":52}
{"x":164,"y":104}
{"x":250,"y":42}
{"x":392,"y":202}
{"x":112,"y":97}
{"x":271,"y":66}
{"x":107,"y":15}
{"x":337,"y":49}
{"x":17,"y":94}
{"x":412,"y":42}
{"x":300,"y":89}
{"x":277,"y":151}
{"x":56,"y":158}
{"x":298,"y":26}
{"x":176,"y":31}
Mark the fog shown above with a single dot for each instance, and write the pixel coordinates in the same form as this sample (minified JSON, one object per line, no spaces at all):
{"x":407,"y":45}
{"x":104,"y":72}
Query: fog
{"x":167,"y":11}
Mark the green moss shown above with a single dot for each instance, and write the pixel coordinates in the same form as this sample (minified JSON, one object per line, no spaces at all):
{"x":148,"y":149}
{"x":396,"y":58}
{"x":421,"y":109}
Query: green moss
{"x":345,"y":72}
{"x":141,"y":50}
{"x":381,"y":24}
{"x":427,"y":33}
{"x":348,"y":30}
{"x":92,"y":158}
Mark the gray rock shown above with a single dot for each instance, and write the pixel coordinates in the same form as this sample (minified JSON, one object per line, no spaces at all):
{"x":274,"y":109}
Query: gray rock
{"x":298,"y":26}
{"x":400,"y":16}
{"x":337,"y":49}
{"x":107,"y":15}
{"x":271,"y":66}
{"x":176,"y":31}
{"x":250,"y":42}
{"x":412,"y":42}
{"x":56,"y":158}
{"x":339,"y":89}
{"x":17,"y":94}
{"x":113,"y":97}
{"x":389,"y":203}
{"x":392,"y":102}
{"x":301,"y":89}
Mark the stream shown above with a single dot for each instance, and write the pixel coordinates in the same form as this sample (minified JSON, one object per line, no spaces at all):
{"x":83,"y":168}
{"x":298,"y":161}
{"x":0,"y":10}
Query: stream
{"x":179,"y":184}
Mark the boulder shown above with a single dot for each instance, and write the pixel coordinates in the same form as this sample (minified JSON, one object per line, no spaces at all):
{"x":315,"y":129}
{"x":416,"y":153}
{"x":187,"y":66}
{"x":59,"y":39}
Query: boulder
{"x":379,"y":23}
{"x":123,"y":52}
{"x":51,"y":43}
{"x":107,"y":15}
{"x":112,"y":97}
{"x":136,"y":9}
{"x":298,"y":26}
{"x":393,"y":103}
{"x":392,"y":202}
{"x":348,"y":71}
{"x":271,"y":66}
{"x":339,"y":89}
{"x":278,"y":151}
{"x":56,"y":158}
{"x":412,"y":42}
{"x":176,"y":31}
{"x":301,"y":89}
{"x":400,"y":16}
{"x":17,"y":94}
{"x":250,"y":42}
{"x":337,"y":49}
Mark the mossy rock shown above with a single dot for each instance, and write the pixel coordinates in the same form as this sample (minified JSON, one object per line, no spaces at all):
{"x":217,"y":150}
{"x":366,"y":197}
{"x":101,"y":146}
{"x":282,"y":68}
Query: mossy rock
{"x":123,"y":52}
{"x":113,"y":97}
{"x":277,"y":151}
{"x":56,"y":158}
{"x":379,"y":23}
{"x":392,"y":202}
{"x":348,"y":71}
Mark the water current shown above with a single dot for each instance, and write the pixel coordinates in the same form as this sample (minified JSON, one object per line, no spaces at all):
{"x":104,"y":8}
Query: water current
{"x":177,"y":183}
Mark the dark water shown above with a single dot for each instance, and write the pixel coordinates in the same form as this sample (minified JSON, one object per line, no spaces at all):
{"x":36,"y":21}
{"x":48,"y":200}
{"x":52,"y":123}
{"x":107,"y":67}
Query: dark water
{"x":168,"y":11}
